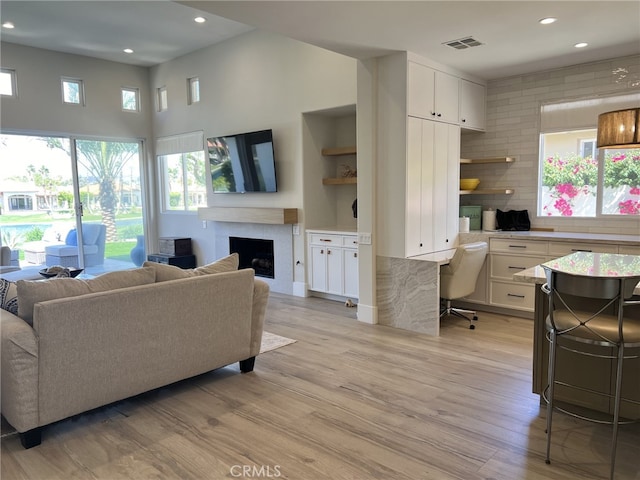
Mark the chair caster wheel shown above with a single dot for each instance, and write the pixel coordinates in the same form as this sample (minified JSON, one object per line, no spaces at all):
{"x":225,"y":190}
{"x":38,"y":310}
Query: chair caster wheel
{"x":475,"y":317}
{"x":548,"y":462}
{"x":472,"y":327}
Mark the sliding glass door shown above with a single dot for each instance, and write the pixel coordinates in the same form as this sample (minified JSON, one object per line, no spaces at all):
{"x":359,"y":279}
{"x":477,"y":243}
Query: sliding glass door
{"x":51,"y":185}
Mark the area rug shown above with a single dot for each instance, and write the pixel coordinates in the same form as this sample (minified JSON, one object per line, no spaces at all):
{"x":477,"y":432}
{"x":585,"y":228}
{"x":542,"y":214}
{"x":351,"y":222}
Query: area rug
{"x":271,"y":341}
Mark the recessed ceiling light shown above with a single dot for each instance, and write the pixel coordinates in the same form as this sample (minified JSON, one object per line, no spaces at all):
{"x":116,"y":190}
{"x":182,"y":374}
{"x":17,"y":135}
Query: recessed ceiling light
{"x":199,"y":19}
{"x":127,"y":50}
{"x":548,"y":20}
{"x":581,"y":45}
{"x":8,"y":25}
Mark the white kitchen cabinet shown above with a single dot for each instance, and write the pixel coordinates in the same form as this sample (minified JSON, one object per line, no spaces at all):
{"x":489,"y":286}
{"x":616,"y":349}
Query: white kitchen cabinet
{"x":333,"y":263}
{"x":508,"y":256}
{"x":560,"y":249}
{"x":629,"y":250}
{"x":350,"y":270}
{"x":432,"y":94}
{"x":473,"y":105}
{"x":432,"y":193}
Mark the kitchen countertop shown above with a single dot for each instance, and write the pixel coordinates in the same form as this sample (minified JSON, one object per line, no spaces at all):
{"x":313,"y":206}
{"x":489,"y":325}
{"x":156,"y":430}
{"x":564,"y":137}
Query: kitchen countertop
{"x":333,"y":230}
{"x":561,"y":236}
{"x":537,"y":275}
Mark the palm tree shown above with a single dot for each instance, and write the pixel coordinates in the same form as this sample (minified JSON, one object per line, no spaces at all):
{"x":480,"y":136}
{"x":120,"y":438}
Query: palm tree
{"x":103,"y":163}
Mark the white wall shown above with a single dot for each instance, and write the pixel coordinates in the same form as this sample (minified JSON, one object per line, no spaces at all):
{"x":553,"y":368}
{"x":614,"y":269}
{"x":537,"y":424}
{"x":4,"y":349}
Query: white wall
{"x":252,"y":82}
{"x":39,"y":108}
{"x":513,"y":127}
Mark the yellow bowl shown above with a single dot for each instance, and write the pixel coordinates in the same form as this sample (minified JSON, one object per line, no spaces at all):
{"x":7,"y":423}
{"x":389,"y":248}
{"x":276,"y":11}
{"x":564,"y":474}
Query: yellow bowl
{"x":469,"y":183}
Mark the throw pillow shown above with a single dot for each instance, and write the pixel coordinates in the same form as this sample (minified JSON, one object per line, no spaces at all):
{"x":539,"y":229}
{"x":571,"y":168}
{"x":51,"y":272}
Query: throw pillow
{"x":8,"y":296}
{"x":72,"y":238}
{"x":171,"y":272}
{"x":31,"y":292}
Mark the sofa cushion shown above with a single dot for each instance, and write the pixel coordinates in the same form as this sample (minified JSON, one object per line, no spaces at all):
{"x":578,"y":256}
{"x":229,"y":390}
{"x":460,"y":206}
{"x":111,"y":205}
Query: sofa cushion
{"x":166,"y":272}
{"x":9,"y":296}
{"x":90,"y":233}
{"x":31,"y":292}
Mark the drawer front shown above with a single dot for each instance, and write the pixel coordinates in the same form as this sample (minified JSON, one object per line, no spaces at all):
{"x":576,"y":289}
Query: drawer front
{"x":510,"y":295}
{"x":350,"y":241}
{"x":320,"y":239}
{"x":560,"y":249}
{"x":522,"y":247}
{"x":629,"y":249}
{"x":504,"y":266}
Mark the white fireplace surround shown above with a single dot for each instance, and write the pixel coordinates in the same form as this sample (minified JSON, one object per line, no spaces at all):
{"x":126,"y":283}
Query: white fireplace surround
{"x":282,"y":236}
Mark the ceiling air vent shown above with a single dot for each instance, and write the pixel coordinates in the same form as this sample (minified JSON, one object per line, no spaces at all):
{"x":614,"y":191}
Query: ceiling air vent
{"x":462,"y":43}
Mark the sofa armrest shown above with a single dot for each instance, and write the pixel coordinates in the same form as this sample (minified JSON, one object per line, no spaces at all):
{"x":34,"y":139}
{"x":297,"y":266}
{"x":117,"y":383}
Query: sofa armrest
{"x":19,"y":381}
{"x":258,"y":313}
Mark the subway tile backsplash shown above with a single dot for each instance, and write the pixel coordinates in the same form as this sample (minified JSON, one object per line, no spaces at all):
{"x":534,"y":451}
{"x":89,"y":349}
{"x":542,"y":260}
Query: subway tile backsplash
{"x":513,"y":119}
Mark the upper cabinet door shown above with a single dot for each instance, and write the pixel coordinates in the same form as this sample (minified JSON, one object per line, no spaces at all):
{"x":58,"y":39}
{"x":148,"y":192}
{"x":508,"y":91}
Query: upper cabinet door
{"x":420,"y":95}
{"x":446,"y":98}
{"x":473,"y":105}
{"x":432,"y":94}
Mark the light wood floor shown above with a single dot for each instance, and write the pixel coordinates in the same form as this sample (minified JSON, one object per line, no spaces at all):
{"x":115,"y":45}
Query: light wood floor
{"x":346,"y":401}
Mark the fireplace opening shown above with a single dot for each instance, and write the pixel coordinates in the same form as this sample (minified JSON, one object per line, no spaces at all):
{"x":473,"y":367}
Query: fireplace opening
{"x":254,"y":253}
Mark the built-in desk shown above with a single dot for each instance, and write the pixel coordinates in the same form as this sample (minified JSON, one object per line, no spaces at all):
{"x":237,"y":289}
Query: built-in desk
{"x":594,"y":373}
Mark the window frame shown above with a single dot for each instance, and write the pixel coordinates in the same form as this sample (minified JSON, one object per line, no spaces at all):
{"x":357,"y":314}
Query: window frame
{"x":165,"y":204}
{"x":136,"y":93}
{"x":600,"y":156}
{"x":191,"y":83}
{"x":81,"y":92}
{"x":13,"y":82}
{"x":162,"y":97}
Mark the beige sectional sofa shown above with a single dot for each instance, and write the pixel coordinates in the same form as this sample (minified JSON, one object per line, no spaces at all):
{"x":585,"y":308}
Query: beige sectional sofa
{"x":112,"y":342}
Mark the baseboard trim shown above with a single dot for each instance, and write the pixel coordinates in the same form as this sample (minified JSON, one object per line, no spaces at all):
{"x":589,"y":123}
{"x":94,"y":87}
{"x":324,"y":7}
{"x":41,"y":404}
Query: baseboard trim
{"x":367,"y":314}
{"x":300,"y":289}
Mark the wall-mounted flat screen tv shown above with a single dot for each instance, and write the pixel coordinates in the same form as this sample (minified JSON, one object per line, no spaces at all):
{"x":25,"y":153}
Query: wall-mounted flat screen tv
{"x":242,"y":163}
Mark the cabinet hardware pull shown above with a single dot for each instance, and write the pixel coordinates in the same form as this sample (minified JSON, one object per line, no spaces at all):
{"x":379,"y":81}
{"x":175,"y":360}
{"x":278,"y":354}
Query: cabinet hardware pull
{"x":517,"y":246}
{"x":580,"y":250}
{"x":516,"y":268}
{"x":325,"y":240}
{"x":328,"y":252}
{"x":514,"y":295}
{"x":321,"y":252}
{"x":355,"y":255}
{"x":439,"y":114}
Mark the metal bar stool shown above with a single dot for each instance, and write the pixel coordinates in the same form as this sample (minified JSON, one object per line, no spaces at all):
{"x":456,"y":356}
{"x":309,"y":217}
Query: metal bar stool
{"x":605,"y":326}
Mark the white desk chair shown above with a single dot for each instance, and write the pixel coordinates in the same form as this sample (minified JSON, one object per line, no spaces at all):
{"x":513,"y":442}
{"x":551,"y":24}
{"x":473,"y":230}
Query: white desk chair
{"x":458,"y":278}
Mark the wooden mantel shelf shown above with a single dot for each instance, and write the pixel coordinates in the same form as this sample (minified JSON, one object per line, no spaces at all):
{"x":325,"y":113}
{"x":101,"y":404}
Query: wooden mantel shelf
{"x":273,"y":216}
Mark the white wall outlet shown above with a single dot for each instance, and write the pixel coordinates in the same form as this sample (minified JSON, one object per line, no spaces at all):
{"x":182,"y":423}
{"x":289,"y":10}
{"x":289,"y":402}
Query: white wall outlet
{"x":204,"y":224}
{"x":296,"y":229}
{"x":364,"y":238}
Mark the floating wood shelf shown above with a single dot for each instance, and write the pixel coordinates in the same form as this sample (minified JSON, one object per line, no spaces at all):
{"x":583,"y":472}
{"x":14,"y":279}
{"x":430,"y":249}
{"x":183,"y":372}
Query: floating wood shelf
{"x":340,"y":181}
{"x":487,"y":160}
{"x":488,"y":191}
{"x":273,"y":216}
{"x":337,"y":151}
